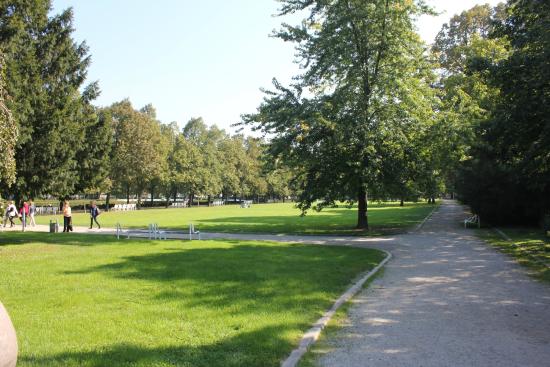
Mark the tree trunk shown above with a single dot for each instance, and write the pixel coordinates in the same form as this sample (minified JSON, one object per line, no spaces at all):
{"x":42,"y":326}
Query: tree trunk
{"x":127,"y":194}
{"x":362,"y":219}
{"x":209,"y":200}
{"x":152,"y":194}
{"x":107,"y":199}
{"x":401,"y":203}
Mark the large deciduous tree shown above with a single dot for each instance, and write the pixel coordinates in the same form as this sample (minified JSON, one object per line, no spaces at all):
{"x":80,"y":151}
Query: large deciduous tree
{"x":365,"y":75}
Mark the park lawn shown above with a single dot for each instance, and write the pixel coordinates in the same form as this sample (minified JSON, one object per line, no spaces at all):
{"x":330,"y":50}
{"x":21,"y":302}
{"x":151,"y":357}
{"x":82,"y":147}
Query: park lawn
{"x":384,"y":218}
{"x":530,"y":247}
{"x":90,"y":301}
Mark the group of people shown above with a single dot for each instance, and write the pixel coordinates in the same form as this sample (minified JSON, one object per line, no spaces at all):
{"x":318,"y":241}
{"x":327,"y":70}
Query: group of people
{"x":27,"y":210}
{"x":25,"y":213}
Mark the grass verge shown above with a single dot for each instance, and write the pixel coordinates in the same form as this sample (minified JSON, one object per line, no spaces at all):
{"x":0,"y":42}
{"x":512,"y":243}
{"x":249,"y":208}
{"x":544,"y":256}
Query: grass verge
{"x":529,"y":246}
{"x":384,"y":218}
{"x":92,"y":301}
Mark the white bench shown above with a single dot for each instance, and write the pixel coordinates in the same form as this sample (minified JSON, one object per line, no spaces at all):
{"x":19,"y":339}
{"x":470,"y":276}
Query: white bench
{"x":121,"y":232}
{"x":193,"y":231}
{"x":474,"y":219}
{"x":155,"y":232}
{"x":246,"y":203}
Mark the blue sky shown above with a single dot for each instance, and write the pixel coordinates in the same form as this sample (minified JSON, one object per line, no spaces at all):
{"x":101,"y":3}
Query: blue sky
{"x":195,"y":58}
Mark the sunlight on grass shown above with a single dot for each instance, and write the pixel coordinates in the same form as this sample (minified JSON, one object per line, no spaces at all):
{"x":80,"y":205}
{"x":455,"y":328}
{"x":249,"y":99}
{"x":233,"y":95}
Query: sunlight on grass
{"x":94,"y":301}
{"x":530,"y":247}
{"x":266,"y":218}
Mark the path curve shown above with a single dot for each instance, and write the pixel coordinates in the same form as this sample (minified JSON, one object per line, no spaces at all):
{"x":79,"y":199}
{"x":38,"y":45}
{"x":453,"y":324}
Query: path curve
{"x":446,"y":299}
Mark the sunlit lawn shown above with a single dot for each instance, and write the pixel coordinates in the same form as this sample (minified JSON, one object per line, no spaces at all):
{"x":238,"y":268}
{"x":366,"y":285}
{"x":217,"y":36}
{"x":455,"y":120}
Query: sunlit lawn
{"x":93,"y":301}
{"x":266,"y":218}
{"x":532,"y":250}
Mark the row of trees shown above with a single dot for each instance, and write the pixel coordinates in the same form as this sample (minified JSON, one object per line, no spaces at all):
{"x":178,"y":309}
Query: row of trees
{"x":361,"y":118}
{"x":63,"y":144}
{"x":496,"y":83}
{"x":376,"y":112}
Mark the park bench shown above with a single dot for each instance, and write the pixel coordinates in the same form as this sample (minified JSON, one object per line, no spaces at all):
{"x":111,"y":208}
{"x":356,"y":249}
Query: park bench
{"x":474,"y":219}
{"x":121,"y":232}
{"x":246,"y":203}
{"x":193,"y":231}
{"x":155,"y":232}
{"x":45,"y":210}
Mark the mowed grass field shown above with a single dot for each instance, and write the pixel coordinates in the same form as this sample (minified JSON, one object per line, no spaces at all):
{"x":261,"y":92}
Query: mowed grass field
{"x":265,"y":218}
{"x":92,"y":301}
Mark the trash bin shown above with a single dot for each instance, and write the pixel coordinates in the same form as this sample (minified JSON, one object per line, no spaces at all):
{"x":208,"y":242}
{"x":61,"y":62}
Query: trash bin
{"x":54,"y":226}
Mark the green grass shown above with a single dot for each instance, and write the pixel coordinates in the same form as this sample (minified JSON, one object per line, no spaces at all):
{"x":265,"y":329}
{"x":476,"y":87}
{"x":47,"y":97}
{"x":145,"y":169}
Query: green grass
{"x":532,"y":248}
{"x":92,"y":301}
{"x":266,"y":218}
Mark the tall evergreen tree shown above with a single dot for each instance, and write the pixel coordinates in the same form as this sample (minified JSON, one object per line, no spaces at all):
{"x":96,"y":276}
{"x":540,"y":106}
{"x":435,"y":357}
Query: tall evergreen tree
{"x":44,"y":70}
{"x":8,"y":135}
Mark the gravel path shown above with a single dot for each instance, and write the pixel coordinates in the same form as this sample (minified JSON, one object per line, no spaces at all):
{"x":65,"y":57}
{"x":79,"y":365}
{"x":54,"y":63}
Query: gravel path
{"x":446,"y":299}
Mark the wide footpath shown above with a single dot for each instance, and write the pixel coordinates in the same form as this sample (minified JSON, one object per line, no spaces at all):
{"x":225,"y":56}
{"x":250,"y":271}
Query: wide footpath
{"x":445,"y":299}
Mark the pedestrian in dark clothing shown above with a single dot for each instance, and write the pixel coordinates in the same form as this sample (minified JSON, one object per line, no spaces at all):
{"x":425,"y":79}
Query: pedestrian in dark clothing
{"x":94,"y":212}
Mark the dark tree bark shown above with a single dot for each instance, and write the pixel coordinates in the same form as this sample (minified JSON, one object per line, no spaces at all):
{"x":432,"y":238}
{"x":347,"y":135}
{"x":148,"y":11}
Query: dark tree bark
{"x":127,"y":194}
{"x":401,"y":203}
{"x":362,"y":219}
{"x":107,"y":199}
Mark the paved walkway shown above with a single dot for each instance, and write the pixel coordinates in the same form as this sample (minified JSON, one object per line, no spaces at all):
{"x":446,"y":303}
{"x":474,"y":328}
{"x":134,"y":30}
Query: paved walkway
{"x":446,"y":299}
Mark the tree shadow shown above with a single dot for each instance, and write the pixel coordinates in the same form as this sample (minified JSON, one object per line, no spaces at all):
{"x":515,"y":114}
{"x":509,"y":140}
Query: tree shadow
{"x":257,"y":277}
{"x":65,"y":239}
{"x":262,"y":347}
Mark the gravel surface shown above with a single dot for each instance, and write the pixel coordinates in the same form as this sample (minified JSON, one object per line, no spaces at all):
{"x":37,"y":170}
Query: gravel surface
{"x":446,"y":299}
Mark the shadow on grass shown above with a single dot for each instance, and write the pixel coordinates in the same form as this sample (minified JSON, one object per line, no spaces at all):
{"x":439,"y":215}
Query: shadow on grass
{"x":246,"y":275}
{"x":260,"y":347}
{"x":66,"y":239}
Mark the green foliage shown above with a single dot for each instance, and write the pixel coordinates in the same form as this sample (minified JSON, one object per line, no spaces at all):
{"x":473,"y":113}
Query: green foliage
{"x":45,"y":69}
{"x":368,"y":85}
{"x":138,"y":152}
{"x":507,"y":178}
{"x":8,"y":135}
{"x":167,"y":303}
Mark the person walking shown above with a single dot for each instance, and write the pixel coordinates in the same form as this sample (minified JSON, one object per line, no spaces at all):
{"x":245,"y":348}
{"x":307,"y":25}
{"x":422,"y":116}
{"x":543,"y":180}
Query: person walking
{"x":11,"y":213}
{"x":32,"y":212}
{"x":67,"y":217}
{"x":94,"y":212}
{"x":23,"y":213}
